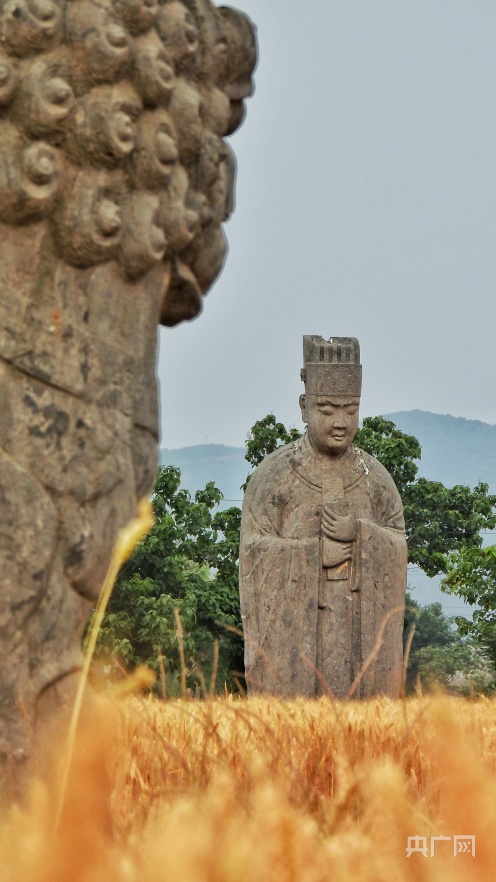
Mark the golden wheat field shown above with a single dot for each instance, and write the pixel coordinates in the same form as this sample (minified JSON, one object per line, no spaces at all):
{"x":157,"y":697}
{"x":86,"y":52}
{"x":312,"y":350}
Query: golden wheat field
{"x":262,"y":789}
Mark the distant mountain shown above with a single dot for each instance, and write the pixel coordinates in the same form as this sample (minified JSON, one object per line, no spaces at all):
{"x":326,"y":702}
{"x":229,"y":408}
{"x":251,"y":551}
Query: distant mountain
{"x":225,"y":466}
{"x":454,"y":451}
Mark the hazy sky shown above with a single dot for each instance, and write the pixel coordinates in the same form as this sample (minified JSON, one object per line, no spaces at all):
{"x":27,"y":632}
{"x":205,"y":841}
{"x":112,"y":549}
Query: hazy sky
{"x":366,"y":202}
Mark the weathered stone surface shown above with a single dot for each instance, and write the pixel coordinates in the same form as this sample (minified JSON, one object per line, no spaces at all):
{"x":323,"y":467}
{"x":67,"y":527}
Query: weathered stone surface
{"x":323,"y":549}
{"x":114,"y":181}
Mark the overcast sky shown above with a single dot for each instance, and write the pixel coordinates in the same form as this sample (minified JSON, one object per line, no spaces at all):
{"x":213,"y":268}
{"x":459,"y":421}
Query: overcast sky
{"x":366,"y":202}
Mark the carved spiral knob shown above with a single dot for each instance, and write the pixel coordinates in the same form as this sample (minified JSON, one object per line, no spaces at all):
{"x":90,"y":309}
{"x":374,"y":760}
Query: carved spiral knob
{"x":108,"y":218}
{"x":59,"y":93}
{"x":184,"y":108}
{"x":177,"y":30}
{"x":9,"y":78}
{"x":29,"y":26}
{"x":40,"y":164}
{"x":156,"y":150}
{"x":29,"y":178}
{"x":101,"y":44}
{"x":87,"y":224}
{"x":44,"y":101}
{"x":143,"y":241}
{"x":179,"y":222}
{"x":237,"y":76}
{"x":137,"y":15}
{"x":153,"y":70}
{"x":108,"y":53}
{"x":210,"y":257}
{"x":216,"y":110}
{"x":102,"y":129}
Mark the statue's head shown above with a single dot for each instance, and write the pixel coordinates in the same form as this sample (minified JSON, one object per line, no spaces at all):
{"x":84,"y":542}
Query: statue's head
{"x":333,"y":379}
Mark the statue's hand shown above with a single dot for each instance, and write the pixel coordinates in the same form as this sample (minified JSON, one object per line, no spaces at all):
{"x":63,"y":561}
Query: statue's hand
{"x":335,"y":553}
{"x":342,"y":528}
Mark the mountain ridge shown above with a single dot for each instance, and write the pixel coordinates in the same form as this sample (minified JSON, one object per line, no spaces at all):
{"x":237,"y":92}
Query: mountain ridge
{"x":455,"y":450}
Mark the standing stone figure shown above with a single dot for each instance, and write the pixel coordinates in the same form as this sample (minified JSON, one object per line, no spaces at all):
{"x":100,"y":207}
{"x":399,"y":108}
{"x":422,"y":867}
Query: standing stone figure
{"x":115,"y":180}
{"x":323,"y":549}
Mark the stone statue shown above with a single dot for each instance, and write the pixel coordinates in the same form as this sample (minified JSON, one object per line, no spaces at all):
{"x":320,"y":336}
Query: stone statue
{"x":323,"y":549}
{"x":115,"y":179}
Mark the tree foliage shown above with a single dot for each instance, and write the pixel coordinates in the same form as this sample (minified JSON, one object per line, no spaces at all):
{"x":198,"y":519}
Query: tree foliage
{"x":473,"y":577}
{"x":396,"y":451}
{"x":189,"y":563}
{"x":264,"y":437}
{"x":440,"y":521}
{"x":440,"y":655}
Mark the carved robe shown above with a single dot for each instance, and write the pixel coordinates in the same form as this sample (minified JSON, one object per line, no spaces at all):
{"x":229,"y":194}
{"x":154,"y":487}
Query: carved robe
{"x":299,"y":615}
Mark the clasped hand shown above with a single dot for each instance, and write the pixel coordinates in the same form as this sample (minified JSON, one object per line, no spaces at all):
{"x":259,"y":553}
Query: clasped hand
{"x":341,"y":528}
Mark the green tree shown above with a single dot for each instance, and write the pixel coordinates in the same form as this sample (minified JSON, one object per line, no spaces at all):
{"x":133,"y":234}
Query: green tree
{"x":189,"y":563}
{"x":441,"y":655}
{"x":396,"y":451}
{"x":473,"y":577}
{"x":264,"y":437}
{"x":440,"y":521}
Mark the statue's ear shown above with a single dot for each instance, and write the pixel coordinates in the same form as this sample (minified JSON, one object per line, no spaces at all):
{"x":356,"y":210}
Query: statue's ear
{"x":303,"y":407}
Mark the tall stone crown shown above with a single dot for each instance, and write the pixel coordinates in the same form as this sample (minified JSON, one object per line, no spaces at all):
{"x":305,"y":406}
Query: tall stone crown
{"x":331,"y":367}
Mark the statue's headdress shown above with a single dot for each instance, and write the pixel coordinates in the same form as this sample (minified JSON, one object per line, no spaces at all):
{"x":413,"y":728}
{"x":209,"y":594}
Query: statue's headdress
{"x":332,"y":367}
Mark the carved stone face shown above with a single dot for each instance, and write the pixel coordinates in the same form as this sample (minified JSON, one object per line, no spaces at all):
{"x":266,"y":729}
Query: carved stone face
{"x":332,"y":421}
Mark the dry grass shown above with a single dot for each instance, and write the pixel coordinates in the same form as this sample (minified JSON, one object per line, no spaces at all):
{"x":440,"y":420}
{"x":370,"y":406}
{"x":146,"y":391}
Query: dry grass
{"x":262,"y":789}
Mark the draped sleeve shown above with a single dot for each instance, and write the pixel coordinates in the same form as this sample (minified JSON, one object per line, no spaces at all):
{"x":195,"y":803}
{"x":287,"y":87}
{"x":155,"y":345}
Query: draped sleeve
{"x":279,"y":579}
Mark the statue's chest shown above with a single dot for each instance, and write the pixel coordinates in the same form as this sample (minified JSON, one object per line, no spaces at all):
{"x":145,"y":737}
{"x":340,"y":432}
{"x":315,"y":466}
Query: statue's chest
{"x":300,"y":513}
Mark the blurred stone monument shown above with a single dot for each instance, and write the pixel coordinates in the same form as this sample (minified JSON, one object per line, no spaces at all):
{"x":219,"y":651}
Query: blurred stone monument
{"x":115,"y":180}
{"x":323,"y":549}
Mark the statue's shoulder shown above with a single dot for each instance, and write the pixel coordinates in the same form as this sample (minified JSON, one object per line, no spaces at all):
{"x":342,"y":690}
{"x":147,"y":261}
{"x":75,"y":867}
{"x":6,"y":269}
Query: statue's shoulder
{"x":374,"y":470}
{"x":275,"y":471}
{"x":275,"y":465}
